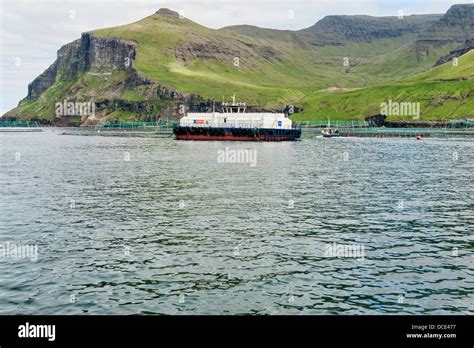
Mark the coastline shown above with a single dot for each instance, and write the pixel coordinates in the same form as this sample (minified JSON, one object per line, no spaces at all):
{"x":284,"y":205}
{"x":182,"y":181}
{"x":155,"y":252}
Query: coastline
{"x":372,"y":122}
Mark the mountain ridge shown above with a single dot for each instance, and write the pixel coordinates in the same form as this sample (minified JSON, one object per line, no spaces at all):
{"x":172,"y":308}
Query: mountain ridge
{"x":173,"y":61}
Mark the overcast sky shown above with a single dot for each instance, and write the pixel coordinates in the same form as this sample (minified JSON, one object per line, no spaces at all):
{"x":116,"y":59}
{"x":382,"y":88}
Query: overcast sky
{"x":33,"y":30}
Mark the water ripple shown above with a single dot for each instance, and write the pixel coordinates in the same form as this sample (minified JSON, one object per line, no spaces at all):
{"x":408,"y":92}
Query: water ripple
{"x":172,"y":231}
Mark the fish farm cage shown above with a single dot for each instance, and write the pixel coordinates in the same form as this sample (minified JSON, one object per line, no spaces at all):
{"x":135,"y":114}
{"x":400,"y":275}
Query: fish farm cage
{"x":117,"y":125}
{"x":336,"y":124}
{"x":118,"y":128}
{"x":28,"y":124}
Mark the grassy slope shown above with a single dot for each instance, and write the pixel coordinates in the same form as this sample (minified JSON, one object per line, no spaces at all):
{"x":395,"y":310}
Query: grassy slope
{"x":296,"y":76}
{"x":257,"y":81}
{"x":438,"y":99}
{"x":86,"y":87}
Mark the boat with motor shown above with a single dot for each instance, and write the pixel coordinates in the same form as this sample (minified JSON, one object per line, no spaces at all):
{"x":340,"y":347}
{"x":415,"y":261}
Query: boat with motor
{"x":329,"y":132}
{"x":234,"y":123}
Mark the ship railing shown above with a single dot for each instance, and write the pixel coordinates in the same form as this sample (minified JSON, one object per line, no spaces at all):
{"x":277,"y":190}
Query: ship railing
{"x":231,"y":125}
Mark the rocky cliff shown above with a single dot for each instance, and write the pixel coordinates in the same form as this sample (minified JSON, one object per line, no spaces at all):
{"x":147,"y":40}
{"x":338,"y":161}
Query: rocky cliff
{"x":91,"y":59}
{"x":457,"y":52}
{"x":88,"y":52}
{"x":340,"y":30}
{"x":457,"y":26}
{"x":453,"y":29}
{"x":164,"y":64}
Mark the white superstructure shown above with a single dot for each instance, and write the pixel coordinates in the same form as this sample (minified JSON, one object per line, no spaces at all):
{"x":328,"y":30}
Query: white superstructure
{"x":236,"y":120}
{"x":234,"y":116}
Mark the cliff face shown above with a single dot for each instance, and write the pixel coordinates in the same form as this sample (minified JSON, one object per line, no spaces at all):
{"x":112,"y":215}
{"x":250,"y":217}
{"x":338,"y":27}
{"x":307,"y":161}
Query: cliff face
{"x":98,"y":59}
{"x":164,"y":64}
{"x":82,"y":55}
{"x":454,"y":28}
{"x":457,"y":52}
{"x":339,"y":30}
{"x":456,"y":25}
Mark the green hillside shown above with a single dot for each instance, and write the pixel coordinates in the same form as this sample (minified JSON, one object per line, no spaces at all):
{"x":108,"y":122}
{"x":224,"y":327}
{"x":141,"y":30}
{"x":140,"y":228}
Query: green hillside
{"x":272,"y":71}
{"x":444,"y":92}
{"x":362,"y":60}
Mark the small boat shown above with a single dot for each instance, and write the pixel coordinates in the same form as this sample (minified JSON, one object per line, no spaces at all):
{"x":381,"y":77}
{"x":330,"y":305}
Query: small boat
{"x":329,"y":132}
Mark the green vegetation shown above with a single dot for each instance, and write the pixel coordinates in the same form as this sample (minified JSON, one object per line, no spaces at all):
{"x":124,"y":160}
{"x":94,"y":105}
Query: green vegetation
{"x":441,"y":94}
{"x":438,"y":100}
{"x":131,"y":95}
{"x":292,"y":74}
{"x":270,"y":69}
{"x":462,"y":68}
{"x":285,"y":76}
{"x":122,"y":115}
{"x":44,"y":107}
{"x":93,"y":85}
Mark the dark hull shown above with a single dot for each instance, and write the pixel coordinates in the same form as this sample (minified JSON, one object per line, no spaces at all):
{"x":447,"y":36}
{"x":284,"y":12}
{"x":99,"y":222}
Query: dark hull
{"x":236,"y":134}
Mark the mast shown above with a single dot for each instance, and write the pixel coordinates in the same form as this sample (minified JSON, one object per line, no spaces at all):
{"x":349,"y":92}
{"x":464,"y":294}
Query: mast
{"x":234,"y":106}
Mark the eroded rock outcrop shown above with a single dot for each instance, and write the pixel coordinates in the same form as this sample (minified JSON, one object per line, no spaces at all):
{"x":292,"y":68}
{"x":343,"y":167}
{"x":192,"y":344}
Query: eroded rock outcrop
{"x":100,"y":67}
{"x":455,"y":28}
{"x":340,"y":30}
{"x":101,"y":57}
{"x":82,"y":55}
{"x":458,"y":52}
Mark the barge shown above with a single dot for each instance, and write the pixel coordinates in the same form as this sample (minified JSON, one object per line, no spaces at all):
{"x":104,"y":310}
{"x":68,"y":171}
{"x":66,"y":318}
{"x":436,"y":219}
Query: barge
{"x":234,"y":123}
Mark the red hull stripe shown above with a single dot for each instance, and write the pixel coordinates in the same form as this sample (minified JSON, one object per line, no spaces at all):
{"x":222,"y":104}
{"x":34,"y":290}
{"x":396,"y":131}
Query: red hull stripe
{"x":226,"y":137}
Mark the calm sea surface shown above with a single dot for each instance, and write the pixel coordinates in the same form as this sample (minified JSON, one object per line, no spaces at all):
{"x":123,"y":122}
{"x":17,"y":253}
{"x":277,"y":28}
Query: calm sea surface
{"x":155,"y":225}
